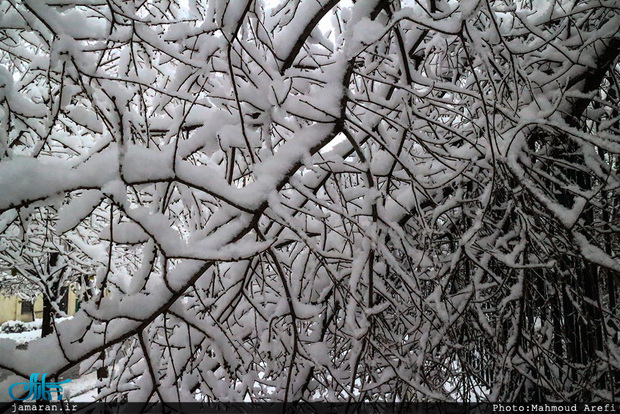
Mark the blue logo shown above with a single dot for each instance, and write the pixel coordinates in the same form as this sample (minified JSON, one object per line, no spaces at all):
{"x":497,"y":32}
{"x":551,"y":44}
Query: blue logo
{"x":39,"y":390}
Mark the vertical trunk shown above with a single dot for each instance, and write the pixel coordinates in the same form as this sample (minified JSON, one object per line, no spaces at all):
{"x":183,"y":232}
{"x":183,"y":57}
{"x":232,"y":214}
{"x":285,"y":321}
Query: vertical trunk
{"x":48,"y":309}
{"x":556,"y":317}
{"x":48,"y":314}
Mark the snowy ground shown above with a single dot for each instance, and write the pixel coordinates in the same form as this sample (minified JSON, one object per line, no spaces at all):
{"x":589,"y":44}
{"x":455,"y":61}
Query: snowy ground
{"x":22,"y":337}
{"x":81,"y":388}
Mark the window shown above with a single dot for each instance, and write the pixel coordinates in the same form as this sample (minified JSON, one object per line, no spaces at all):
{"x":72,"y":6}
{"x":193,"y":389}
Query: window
{"x":27,"y":308}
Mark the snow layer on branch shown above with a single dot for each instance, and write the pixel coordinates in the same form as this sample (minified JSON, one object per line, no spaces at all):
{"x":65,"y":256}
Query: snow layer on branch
{"x":25,"y":179}
{"x":78,"y":208}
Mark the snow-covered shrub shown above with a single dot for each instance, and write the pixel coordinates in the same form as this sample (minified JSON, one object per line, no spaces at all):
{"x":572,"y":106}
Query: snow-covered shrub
{"x":14,"y":327}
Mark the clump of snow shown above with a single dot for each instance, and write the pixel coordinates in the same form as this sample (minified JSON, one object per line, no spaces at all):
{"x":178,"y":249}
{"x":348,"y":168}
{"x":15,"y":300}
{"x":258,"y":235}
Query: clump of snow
{"x":12,"y":327}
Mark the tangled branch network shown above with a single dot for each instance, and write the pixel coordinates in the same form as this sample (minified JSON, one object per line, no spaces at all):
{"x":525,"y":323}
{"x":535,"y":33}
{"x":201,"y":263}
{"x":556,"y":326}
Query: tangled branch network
{"x":315,"y":200}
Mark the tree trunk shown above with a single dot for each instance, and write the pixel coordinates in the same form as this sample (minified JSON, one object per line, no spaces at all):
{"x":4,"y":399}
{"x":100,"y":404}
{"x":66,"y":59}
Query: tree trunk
{"x":48,"y":314}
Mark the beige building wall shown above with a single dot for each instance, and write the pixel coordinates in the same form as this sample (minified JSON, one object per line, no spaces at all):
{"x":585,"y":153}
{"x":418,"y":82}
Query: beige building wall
{"x":11,"y":308}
